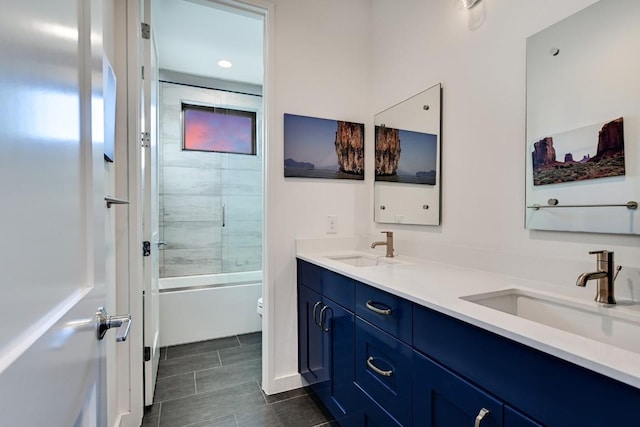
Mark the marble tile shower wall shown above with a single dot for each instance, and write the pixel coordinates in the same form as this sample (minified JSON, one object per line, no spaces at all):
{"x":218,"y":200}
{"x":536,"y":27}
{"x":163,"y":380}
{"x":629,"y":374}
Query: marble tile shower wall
{"x":194,"y":187}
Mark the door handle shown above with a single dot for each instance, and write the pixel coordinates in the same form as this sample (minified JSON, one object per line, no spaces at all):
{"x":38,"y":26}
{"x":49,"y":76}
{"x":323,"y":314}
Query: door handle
{"x":324,"y":328}
{"x":315,"y":307}
{"x":104,"y":322}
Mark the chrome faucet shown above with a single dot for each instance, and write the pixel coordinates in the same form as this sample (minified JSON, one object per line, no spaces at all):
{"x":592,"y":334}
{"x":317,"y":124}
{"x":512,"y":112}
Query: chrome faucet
{"x":388,"y":243}
{"x":604,"y":275}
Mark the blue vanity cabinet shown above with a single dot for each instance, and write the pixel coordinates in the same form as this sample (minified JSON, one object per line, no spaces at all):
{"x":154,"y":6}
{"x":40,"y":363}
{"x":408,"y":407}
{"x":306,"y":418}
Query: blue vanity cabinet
{"x":378,"y":360}
{"x":325,"y":339}
{"x":549,"y":390}
{"x":442,"y":398}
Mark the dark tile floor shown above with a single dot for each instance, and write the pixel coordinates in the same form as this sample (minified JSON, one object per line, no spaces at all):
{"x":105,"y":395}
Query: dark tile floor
{"x":216,"y":383}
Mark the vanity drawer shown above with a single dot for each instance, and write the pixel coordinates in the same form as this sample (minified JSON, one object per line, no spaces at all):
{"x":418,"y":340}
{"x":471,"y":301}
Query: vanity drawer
{"x":384,"y":367}
{"x":338,"y":288}
{"x":386,"y":311}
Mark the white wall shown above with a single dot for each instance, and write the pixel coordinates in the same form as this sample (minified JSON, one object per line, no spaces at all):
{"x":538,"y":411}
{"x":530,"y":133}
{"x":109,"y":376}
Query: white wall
{"x":482,"y":69}
{"x":349,"y":60}
{"x":321,"y":69}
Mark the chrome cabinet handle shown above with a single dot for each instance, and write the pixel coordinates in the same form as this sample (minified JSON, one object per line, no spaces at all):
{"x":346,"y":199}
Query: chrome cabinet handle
{"x":224,"y":215}
{"x":104,"y":322}
{"x":483,"y":413}
{"x":324,"y":328}
{"x":315,"y":307}
{"x":370,"y":306}
{"x":377,"y":370}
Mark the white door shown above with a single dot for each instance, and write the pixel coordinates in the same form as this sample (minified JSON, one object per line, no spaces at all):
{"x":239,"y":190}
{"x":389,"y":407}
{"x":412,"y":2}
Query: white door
{"x":151,"y":212}
{"x":52,"y":224}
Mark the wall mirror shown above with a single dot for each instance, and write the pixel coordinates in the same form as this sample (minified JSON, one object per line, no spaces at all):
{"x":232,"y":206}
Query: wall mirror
{"x":583,"y":122}
{"x":407,"y":160}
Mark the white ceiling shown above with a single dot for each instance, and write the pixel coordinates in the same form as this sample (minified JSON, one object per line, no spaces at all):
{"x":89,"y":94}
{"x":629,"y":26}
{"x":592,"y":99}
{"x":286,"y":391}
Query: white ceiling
{"x":192,"y":35}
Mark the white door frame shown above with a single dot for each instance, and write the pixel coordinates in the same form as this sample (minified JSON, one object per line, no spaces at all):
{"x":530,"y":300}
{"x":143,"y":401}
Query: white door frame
{"x":150,"y":209}
{"x":129,"y":381}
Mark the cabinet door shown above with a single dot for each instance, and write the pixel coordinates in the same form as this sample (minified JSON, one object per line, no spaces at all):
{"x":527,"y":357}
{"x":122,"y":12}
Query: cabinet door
{"x":443,"y":399}
{"x":338,"y":328}
{"x":325,"y":354}
{"x":311,"y":355}
{"x":514,"y":418}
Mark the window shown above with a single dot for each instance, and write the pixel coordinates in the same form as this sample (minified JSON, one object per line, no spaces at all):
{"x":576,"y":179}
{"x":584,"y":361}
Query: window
{"x":217,"y":129}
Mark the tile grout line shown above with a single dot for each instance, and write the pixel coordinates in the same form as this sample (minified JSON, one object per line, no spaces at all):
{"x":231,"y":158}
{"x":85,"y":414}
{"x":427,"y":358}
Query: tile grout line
{"x":262,"y":393}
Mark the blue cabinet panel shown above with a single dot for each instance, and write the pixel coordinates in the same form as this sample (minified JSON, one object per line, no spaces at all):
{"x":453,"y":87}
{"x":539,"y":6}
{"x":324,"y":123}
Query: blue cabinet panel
{"x":339,"y":288}
{"x":311,"y":356}
{"x":338,"y":326}
{"x":443,"y":399}
{"x":384,"y":369}
{"x":368,"y":413}
{"x":513,"y":418}
{"x":309,"y":275}
{"x":387,"y":311}
{"x":334,"y":286}
{"x":548,"y":389}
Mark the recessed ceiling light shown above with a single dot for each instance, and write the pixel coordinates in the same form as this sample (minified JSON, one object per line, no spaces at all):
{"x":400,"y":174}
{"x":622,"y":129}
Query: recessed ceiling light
{"x":223,"y":63}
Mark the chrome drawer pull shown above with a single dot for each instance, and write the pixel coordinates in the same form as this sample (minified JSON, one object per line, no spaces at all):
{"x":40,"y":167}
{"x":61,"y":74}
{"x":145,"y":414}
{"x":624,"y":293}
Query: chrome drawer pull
{"x":377,"y":370}
{"x":315,"y":307}
{"x":483,"y":413}
{"x":370,"y":306}
{"x":324,"y":328}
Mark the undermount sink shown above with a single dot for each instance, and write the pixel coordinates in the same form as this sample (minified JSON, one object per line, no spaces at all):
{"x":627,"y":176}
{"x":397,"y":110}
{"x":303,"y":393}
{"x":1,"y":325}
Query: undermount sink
{"x":601,"y":323}
{"x":362,"y":261}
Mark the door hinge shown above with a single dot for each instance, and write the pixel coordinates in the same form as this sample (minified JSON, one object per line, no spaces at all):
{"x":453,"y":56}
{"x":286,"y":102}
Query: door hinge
{"x":147,"y":354}
{"x":145,"y":138}
{"x":142,"y":72}
{"x":145,"y":30}
{"x":146,"y":248}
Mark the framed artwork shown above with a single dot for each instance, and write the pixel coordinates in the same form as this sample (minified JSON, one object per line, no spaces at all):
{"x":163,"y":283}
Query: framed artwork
{"x":590,"y":152}
{"x":323,"y":148}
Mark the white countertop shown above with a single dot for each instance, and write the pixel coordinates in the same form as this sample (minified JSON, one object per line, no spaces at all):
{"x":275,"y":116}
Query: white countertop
{"x":440,"y":287}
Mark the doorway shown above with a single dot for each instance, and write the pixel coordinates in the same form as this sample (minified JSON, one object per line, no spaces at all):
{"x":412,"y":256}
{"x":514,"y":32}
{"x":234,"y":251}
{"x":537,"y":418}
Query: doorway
{"x":210,"y":200}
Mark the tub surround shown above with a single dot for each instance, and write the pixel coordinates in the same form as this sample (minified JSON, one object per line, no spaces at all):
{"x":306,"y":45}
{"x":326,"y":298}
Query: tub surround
{"x":198,"y":308}
{"x":440,"y":286}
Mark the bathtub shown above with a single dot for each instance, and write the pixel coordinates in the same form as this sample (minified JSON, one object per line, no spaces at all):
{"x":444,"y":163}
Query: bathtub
{"x":196,"y":308}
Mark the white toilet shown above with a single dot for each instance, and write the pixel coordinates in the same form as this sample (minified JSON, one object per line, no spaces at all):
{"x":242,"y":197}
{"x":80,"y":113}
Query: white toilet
{"x":259,"y":308}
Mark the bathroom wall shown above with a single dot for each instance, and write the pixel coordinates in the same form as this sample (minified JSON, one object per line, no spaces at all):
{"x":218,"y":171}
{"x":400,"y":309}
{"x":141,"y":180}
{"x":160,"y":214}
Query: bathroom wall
{"x":349,"y":60}
{"x":479,"y":56}
{"x":195,"y":185}
{"x":321,"y":68}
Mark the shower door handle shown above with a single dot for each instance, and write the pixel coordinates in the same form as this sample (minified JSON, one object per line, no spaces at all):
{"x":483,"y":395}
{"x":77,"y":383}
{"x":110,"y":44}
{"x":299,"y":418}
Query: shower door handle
{"x":223,"y":215}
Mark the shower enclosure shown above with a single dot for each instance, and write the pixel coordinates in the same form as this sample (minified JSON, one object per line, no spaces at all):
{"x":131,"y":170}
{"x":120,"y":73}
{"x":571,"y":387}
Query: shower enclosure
{"x":210,"y":224}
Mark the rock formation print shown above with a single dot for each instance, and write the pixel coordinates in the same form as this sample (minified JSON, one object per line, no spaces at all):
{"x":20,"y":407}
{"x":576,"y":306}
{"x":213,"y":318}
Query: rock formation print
{"x":608,"y":160}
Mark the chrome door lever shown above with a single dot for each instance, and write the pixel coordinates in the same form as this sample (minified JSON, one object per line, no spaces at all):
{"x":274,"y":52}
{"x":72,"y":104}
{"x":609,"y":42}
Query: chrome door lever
{"x":104,"y":322}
